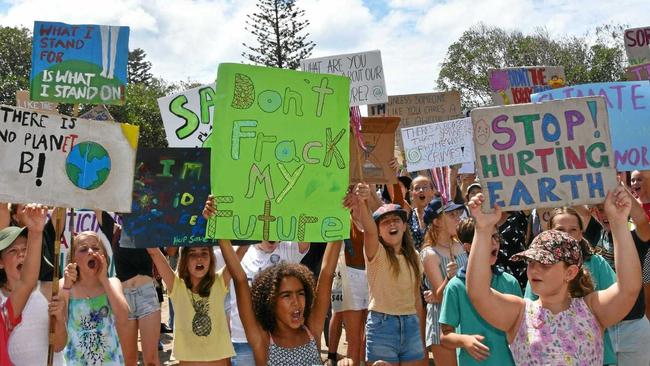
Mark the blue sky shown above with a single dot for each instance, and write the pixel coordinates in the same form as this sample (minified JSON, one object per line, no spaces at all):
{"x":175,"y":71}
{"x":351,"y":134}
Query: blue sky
{"x":187,"y":39}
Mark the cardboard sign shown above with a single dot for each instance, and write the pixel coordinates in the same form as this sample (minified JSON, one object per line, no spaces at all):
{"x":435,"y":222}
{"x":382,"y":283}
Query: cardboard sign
{"x":628,"y":107}
{"x":188,"y":116}
{"x":438,"y":144}
{"x":638,"y":72}
{"x":514,"y":85}
{"x":364,"y":69}
{"x":378,"y":134}
{"x":419,"y":109}
{"x":98,"y":113}
{"x":79,"y":63}
{"x":637,"y":45}
{"x":23,"y":101}
{"x":169,"y":192}
{"x":64,"y":161}
{"x":549,"y":154}
{"x":280,"y":154}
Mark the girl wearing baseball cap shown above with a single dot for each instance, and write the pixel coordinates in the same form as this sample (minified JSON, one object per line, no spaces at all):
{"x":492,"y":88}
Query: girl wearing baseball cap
{"x":566,"y":324}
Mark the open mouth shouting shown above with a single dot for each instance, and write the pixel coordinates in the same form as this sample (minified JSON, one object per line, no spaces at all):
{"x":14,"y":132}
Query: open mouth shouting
{"x":296,"y":316}
{"x":199,"y":267}
{"x":92,"y":263}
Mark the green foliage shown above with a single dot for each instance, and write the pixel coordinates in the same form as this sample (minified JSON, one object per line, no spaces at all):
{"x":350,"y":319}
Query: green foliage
{"x":276,"y":26}
{"x":585,"y":59}
{"x":15,"y":62}
{"x":138,"y":70}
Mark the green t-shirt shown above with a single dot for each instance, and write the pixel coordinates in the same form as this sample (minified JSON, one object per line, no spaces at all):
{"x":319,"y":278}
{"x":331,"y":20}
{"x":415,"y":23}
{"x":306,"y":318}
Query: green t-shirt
{"x":603,"y":276}
{"x":457,"y":311}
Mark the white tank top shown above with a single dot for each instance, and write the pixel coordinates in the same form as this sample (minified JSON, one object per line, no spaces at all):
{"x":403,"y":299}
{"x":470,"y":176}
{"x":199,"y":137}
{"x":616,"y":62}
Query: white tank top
{"x":28,"y":341}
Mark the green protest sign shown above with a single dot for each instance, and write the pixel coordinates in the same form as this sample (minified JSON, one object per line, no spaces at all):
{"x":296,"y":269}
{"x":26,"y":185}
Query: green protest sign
{"x":280,"y":153}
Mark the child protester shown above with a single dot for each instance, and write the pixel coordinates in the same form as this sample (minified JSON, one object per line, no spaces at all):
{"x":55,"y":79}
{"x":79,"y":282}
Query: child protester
{"x":197,"y":291}
{"x":394,"y":276}
{"x":282,"y":314}
{"x":568,"y":220}
{"x":478,"y":342}
{"x":20,"y":259}
{"x":92,"y":308}
{"x":566,"y":324}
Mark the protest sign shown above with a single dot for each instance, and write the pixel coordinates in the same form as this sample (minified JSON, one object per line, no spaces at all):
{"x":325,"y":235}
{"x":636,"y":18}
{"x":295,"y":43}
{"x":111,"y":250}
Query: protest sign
{"x":548,"y":154}
{"x":65,"y":161}
{"x":467,"y":168}
{"x":628,"y":107}
{"x":438,"y":144}
{"x":364,"y":69}
{"x":638,"y":72}
{"x":79,"y":63}
{"x":378,"y":135}
{"x":514,"y":85}
{"x":419,"y":109}
{"x":23,"y":101}
{"x":169,"y":191}
{"x":188,"y":116}
{"x":279,"y":155}
{"x":98,"y":113}
{"x":637,"y":45}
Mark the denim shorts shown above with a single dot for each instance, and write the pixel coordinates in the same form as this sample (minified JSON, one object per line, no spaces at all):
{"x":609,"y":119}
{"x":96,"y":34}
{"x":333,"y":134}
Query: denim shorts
{"x":393,"y":338}
{"x":243,"y":355}
{"x":142,"y":300}
{"x":630,"y":341}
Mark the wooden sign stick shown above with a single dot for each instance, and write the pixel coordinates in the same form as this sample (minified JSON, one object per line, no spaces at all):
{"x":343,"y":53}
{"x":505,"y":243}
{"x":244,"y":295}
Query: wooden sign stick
{"x":58,"y":219}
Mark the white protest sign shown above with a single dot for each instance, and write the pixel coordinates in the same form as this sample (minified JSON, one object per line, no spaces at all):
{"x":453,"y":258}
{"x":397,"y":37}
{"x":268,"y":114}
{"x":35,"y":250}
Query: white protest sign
{"x":365,"y":70}
{"x":188,"y":116}
{"x":637,"y":45}
{"x":551,"y":154}
{"x":438,"y":144}
{"x":64,"y":161}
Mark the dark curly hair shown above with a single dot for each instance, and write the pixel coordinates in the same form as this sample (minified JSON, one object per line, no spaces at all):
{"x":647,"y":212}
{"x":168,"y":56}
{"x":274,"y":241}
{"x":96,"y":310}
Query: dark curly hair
{"x":266,"y":287}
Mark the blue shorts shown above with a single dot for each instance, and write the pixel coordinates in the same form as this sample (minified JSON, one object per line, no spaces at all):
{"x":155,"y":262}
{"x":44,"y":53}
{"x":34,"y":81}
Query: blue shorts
{"x":142,"y":300}
{"x":243,"y":355}
{"x":393,"y":338}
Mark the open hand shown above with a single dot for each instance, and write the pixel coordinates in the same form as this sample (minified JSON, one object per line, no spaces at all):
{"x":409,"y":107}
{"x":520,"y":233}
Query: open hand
{"x":34,"y":216}
{"x":474,"y":346}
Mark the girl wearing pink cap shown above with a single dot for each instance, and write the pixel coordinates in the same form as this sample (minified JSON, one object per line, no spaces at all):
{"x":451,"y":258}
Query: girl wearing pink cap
{"x":566,"y":324}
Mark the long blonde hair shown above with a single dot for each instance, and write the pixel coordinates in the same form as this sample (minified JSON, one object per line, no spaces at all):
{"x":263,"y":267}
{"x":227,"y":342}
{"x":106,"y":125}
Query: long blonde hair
{"x":433,"y":231}
{"x":409,"y":253}
{"x":81,"y":237}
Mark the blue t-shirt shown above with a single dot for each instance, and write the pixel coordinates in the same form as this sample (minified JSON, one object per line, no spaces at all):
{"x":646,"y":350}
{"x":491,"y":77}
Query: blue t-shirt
{"x":457,"y":311}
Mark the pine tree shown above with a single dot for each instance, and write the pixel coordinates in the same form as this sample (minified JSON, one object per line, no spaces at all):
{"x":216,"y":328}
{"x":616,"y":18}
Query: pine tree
{"x":138,"y":70}
{"x":277,"y":25}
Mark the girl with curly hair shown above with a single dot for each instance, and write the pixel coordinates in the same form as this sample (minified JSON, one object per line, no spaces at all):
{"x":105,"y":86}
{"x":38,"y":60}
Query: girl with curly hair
{"x":283,"y":315}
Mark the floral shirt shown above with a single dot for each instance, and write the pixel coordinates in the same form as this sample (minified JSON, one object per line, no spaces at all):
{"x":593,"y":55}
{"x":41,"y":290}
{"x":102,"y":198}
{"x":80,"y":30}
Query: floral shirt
{"x":416,"y":231}
{"x":513,"y":234}
{"x":569,"y":338}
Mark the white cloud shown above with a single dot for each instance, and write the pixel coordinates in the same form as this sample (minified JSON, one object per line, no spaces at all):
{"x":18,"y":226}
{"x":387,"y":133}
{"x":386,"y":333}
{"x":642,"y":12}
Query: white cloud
{"x":188,"y":39}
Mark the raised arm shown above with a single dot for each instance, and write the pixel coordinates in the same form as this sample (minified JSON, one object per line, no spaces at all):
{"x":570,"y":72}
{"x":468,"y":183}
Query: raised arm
{"x":35,"y":217}
{"x":322,"y":298}
{"x":113,"y":289}
{"x":239,"y":252}
{"x":612,"y":304}
{"x":362,"y":213}
{"x":5,"y":215}
{"x":257,"y":337}
{"x":479,"y":274}
{"x":165,"y":271}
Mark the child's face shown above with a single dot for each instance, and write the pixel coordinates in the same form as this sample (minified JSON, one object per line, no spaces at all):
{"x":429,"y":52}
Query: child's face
{"x":391,"y":229}
{"x":422,"y":192}
{"x":88,"y":249}
{"x":549,"y":279}
{"x":450,"y":221}
{"x":290,"y":306}
{"x":12,"y":259}
{"x":569,"y":224}
{"x":198,"y":261}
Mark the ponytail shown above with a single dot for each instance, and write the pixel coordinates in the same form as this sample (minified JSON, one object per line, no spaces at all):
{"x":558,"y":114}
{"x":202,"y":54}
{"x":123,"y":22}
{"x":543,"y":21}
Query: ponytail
{"x":582,"y":284}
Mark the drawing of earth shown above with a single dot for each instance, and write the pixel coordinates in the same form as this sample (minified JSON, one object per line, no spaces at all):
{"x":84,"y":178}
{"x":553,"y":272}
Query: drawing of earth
{"x":88,"y":165}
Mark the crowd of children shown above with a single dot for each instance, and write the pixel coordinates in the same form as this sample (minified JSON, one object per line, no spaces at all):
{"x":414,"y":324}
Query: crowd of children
{"x":419,"y":273}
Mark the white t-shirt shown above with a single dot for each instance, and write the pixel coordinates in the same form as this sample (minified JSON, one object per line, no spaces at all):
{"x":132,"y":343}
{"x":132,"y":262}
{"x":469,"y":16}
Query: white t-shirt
{"x":255,"y":260}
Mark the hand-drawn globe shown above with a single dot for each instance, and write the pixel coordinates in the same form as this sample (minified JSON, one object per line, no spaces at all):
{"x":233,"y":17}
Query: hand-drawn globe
{"x":88,"y":165}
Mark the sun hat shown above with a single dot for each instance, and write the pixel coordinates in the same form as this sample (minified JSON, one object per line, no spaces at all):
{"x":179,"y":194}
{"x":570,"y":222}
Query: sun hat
{"x":9,"y":234}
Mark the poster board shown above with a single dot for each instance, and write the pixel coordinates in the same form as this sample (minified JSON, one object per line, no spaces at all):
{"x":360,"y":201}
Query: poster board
{"x":514,"y":85}
{"x":279,"y":155}
{"x":628,"y":107}
{"x":378,"y":135}
{"x":65,"y":161}
{"x":23,"y":101}
{"x":419,"y":109}
{"x":638,"y":72}
{"x":98,"y":113}
{"x":637,"y":45}
{"x":188,"y":116}
{"x":438,"y":144}
{"x":364,"y":69}
{"x":169,"y":191}
{"x":539,"y":155}
{"x":79,"y":63}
